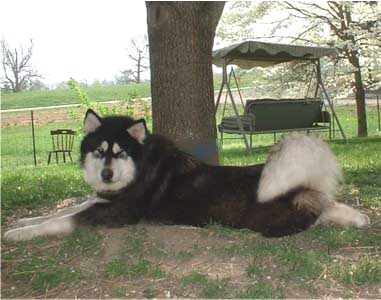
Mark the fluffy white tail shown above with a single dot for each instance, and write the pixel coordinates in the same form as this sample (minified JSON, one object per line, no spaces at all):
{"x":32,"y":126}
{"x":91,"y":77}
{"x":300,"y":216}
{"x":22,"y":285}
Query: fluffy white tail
{"x":299,"y":161}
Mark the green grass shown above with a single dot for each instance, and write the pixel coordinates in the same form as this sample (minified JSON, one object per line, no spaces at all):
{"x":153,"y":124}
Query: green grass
{"x":364,"y":271}
{"x":302,"y":264}
{"x":351,"y":237}
{"x":133,"y":270}
{"x":67,"y":96}
{"x":31,"y":187}
{"x":45,"y":265}
{"x":17,"y":144}
{"x":82,"y":241}
{"x":195,"y":278}
{"x":207,"y":288}
{"x":260,"y":291}
{"x":131,"y":263}
{"x":134,"y":246}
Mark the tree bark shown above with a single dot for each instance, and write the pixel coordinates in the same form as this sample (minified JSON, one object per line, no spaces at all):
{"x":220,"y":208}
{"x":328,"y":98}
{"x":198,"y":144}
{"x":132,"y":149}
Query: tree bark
{"x":362,"y":128}
{"x":139,"y":64}
{"x":181,"y":36}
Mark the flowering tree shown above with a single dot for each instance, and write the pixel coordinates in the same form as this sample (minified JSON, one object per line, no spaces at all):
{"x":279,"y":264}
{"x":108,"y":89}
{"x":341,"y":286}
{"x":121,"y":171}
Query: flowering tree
{"x":354,"y":28}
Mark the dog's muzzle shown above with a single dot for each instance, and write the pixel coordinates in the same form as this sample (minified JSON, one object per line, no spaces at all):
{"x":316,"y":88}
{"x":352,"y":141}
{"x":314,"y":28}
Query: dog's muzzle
{"x":107,"y":175}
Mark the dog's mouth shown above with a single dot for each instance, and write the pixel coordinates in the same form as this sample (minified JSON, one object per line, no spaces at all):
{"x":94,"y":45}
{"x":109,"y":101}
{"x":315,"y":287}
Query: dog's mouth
{"x":108,"y":182}
{"x":108,"y":193}
{"x":110,"y":187}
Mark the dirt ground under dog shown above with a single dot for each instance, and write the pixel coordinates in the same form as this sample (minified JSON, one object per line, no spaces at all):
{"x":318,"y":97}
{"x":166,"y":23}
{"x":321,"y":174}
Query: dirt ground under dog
{"x":161,"y":261}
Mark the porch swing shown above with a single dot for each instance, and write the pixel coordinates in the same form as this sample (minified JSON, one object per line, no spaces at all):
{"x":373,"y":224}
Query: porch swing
{"x":264,"y":116}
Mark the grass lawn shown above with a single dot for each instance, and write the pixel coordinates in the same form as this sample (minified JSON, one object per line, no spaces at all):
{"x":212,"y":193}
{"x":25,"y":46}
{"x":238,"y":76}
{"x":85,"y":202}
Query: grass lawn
{"x":17,"y":146}
{"x":155,"y":261}
{"x":17,"y":143}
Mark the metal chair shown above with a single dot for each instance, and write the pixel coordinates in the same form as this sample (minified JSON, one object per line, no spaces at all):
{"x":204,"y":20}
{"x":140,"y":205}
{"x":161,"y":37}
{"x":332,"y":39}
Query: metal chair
{"x":63,"y":140}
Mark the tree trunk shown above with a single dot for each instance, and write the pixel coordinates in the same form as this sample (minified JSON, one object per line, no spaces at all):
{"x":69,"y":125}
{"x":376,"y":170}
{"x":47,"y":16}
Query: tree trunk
{"x":17,"y":88}
{"x":362,"y":128}
{"x":139,"y":64}
{"x":181,"y":36}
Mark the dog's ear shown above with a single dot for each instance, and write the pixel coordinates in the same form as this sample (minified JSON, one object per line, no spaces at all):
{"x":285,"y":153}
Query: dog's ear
{"x":138,"y":130}
{"x":92,"y":122}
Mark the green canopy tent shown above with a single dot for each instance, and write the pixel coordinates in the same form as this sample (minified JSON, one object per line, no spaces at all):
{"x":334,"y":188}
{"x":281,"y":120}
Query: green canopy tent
{"x":250,"y":54}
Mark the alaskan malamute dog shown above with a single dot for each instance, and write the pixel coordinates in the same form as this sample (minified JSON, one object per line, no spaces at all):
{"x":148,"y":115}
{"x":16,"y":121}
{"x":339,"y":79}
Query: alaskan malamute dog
{"x":137,"y":175}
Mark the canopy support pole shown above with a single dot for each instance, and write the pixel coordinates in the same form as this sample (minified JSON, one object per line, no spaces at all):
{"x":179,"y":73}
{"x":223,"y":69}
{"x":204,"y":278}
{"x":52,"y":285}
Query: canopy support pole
{"x":226,"y":95}
{"x":219,"y":97}
{"x":237,"y":85}
{"x":321,"y":84}
{"x":310,"y":83}
{"x":225,"y":81}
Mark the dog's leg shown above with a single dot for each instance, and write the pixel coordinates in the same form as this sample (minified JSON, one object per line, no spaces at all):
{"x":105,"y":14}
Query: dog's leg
{"x":55,"y":226}
{"x":37,"y":220}
{"x":64,"y":212}
{"x":343,"y":215}
{"x":52,"y":225}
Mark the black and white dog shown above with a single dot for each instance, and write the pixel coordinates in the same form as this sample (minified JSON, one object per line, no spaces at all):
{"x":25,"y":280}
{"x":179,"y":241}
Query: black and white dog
{"x":137,"y":175}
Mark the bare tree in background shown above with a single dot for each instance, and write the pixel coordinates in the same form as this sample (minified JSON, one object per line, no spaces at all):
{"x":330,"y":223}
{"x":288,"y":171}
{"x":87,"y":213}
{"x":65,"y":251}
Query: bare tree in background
{"x":138,"y":55}
{"x":18,"y":72}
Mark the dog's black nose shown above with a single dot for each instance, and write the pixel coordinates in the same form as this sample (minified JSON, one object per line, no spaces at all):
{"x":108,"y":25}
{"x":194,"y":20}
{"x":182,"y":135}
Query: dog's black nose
{"x":107,"y":175}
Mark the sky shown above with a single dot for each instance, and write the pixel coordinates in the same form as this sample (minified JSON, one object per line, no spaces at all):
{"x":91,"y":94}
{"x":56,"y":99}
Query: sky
{"x":84,"y":39}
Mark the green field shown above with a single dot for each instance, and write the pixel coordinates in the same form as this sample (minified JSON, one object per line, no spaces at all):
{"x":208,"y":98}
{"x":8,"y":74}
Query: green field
{"x":67,"y":96}
{"x":17,"y":147}
{"x":97,"y":93}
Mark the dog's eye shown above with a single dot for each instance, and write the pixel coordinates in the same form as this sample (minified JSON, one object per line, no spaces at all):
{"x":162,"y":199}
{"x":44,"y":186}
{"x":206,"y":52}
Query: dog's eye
{"x":99,"y":153}
{"x":121,"y":154}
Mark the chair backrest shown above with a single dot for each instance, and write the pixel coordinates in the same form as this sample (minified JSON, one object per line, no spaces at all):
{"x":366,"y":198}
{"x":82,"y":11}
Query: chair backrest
{"x":283,"y":114}
{"x":62,"y":139}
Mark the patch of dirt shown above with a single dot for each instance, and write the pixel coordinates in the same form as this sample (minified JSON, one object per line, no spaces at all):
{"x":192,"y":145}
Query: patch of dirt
{"x":181,"y":240}
{"x":182,"y":250}
{"x":41,"y":117}
{"x":113,"y":242}
{"x":177,"y":241}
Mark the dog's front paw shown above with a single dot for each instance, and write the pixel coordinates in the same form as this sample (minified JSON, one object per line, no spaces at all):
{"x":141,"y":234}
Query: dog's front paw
{"x":18,"y":234}
{"x":30,"y":221}
{"x":361,"y":221}
{"x":23,"y":222}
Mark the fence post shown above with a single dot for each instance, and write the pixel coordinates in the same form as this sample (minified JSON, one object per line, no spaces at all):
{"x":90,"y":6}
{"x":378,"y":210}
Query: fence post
{"x":33,"y":139}
{"x":378,"y":111}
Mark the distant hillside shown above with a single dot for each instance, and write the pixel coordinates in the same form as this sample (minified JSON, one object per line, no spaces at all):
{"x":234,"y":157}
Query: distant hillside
{"x":97,"y":93}
{"x":66,"y":96}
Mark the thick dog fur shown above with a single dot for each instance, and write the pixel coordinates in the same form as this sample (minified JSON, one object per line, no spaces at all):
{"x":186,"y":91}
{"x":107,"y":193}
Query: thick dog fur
{"x":138,"y":176}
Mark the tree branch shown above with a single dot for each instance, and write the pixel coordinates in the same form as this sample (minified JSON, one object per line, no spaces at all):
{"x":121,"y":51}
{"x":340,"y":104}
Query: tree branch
{"x":17,"y":63}
{"x":303,"y":33}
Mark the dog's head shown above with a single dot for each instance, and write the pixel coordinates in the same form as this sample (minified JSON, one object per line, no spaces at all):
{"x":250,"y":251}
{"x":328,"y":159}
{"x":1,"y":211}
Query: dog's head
{"x":110,"y":151}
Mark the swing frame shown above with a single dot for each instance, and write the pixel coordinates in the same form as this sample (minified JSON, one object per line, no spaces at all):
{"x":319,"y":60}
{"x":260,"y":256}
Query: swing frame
{"x":250,"y":54}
